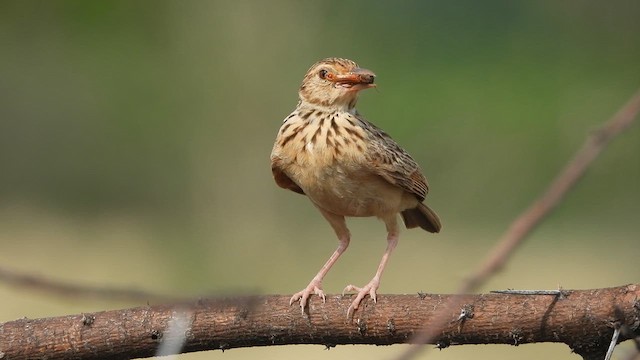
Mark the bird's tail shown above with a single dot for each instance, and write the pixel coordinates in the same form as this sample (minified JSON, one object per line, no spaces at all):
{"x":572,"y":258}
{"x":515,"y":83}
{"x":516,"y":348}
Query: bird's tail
{"x":422,"y":216}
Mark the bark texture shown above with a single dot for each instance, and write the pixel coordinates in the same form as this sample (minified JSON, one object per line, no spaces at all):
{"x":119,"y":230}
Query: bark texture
{"x":582,"y":319}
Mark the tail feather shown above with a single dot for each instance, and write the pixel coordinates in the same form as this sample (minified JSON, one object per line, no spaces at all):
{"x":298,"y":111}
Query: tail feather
{"x":422,"y":216}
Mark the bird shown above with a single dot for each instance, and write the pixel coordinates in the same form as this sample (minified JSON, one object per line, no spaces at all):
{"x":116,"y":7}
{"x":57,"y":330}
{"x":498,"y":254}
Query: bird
{"x":347,"y":167}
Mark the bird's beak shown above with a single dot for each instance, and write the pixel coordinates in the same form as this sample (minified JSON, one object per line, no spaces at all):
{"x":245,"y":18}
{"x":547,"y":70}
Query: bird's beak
{"x":356,"y":79}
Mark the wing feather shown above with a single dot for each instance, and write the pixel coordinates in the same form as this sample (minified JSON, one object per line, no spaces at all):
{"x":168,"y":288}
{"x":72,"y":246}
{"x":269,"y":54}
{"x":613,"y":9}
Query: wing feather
{"x":394,"y":164}
{"x":282,"y":179}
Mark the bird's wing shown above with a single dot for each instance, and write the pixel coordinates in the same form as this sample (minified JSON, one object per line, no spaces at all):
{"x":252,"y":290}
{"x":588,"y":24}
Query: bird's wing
{"x":394,"y":164}
{"x":281,"y":178}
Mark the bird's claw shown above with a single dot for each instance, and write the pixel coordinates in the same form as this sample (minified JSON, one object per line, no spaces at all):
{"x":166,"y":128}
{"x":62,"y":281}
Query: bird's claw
{"x":362,"y":292}
{"x":303,"y":296}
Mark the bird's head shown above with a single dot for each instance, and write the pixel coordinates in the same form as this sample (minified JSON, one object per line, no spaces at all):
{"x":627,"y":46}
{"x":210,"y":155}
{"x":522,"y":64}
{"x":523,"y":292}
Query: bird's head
{"x":335,"y":82}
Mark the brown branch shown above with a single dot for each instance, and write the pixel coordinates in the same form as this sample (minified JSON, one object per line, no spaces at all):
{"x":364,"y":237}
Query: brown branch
{"x":524,"y":224}
{"x":559,"y":188}
{"x":582,"y":319}
{"x":71,"y":290}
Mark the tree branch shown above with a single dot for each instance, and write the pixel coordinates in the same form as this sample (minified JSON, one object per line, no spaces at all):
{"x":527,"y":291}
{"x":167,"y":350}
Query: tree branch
{"x":582,"y":319}
{"x":72,"y":290}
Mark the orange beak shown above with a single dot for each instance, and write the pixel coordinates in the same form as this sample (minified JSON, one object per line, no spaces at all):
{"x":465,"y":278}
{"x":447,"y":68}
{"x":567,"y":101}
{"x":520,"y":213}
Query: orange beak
{"x":357,"y":78}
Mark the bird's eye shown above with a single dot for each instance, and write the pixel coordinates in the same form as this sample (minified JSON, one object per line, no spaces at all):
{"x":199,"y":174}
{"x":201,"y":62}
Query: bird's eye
{"x":323,"y":74}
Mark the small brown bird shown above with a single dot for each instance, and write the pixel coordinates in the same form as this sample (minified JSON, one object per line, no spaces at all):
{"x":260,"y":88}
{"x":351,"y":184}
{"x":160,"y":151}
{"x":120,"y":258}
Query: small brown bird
{"x":347,"y":166}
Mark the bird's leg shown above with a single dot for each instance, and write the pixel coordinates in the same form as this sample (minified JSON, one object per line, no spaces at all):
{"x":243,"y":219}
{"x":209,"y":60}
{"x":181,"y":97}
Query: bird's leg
{"x":338,"y":224}
{"x":371,"y":288}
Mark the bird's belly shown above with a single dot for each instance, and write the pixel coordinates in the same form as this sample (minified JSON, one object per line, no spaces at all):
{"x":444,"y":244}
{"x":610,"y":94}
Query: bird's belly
{"x":352,"y":191}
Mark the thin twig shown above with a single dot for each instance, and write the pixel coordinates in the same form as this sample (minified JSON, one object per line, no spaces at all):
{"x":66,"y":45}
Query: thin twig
{"x":67,"y":289}
{"x":524,"y":224}
{"x":559,"y":188}
{"x":176,"y":334}
{"x":614,"y":342}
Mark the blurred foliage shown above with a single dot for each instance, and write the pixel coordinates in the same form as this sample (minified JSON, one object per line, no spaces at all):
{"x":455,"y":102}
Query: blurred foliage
{"x":139,"y":132}
{"x":119,"y":104}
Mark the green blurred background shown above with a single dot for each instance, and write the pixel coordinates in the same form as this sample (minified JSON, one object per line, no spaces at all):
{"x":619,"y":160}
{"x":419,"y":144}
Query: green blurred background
{"x":135,"y":140}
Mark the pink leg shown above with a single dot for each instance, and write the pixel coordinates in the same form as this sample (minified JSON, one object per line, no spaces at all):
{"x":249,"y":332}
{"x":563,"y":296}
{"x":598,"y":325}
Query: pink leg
{"x":315,"y":286}
{"x":371,"y":288}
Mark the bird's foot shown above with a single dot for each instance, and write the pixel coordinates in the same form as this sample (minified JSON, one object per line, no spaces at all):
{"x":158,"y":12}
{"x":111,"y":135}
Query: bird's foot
{"x":369,"y":289}
{"x":314,"y":288}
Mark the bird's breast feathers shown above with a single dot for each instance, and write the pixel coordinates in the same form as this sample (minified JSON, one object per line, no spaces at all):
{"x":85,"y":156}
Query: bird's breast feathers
{"x":325,"y":157}
{"x":313,"y":140}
